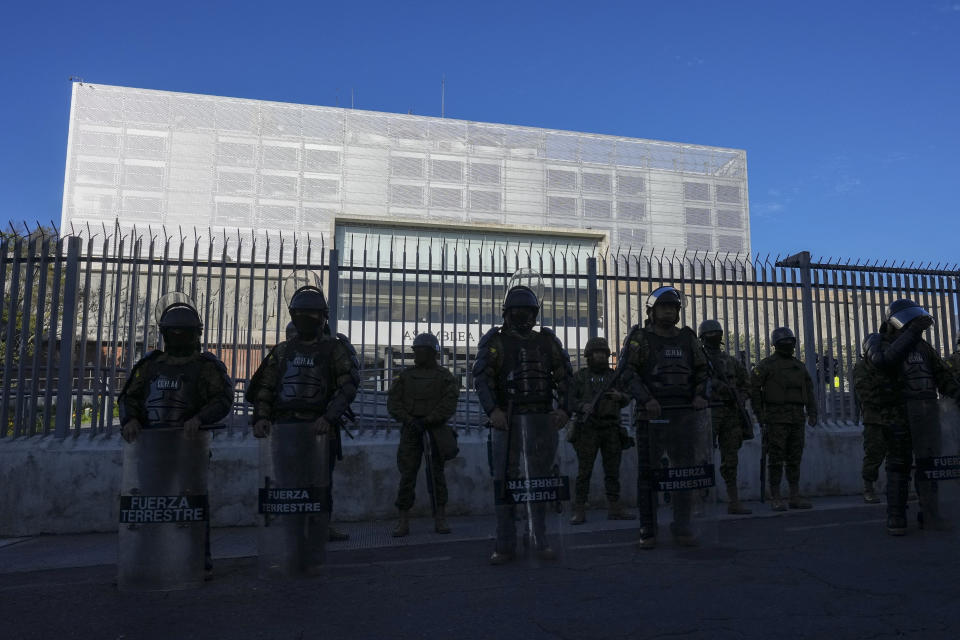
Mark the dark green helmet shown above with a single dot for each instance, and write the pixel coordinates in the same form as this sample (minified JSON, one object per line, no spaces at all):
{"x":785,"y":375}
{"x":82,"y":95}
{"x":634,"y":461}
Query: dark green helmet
{"x":427,"y":340}
{"x":596,"y":344}
{"x":782,"y":334}
{"x":709,"y":326}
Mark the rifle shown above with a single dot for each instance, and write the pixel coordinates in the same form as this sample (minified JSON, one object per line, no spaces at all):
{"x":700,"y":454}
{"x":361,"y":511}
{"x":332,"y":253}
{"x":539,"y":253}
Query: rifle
{"x":428,"y":460}
{"x":608,"y":385}
{"x":746,"y":421}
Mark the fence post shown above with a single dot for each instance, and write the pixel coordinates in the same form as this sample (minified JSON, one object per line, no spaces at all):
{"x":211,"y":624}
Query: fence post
{"x":67,"y":339}
{"x":333,"y":288}
{"x":801,"y":261}
{"x":593,"y":320}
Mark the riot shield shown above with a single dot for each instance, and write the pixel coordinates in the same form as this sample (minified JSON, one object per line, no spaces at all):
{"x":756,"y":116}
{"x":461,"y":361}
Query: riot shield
{"x":936,"y":445}
{"x":164,"y":513}
{"x":294,"y":500}
{"x":676,"y":478}
{"x":531,"y":492}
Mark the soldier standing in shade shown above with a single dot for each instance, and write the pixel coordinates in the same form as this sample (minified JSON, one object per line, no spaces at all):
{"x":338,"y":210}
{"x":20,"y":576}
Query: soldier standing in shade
{"x":665,"y":367}
{"x":911,"y":364}
{"x":954,"y":359}
{"x":522,"y":377}
{"x":780,"y":390}
{"x":601,"y":432}
{"x":881,"y":407}
{"x":333,"y":534}
{"x":310,"y":378}
{"x":422,"y":398}
{"x":730,"y":389}
{"x":182,"y":385}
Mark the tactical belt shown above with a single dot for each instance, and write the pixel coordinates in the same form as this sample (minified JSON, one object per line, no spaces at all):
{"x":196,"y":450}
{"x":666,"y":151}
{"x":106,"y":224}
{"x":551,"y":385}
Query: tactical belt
{"x":298,"y":415}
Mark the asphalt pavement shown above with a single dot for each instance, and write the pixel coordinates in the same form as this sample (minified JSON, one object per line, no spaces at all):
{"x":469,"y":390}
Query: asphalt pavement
{"x":830,"y":572}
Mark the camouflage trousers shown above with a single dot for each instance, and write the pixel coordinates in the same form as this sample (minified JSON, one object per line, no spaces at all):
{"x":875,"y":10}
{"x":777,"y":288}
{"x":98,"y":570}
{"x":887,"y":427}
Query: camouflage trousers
{"x":784,"y":442}
{"x":606,"y":441}
{"x":729,"y":438}
{"x":409,"y":455}
{"x":874,"y":451}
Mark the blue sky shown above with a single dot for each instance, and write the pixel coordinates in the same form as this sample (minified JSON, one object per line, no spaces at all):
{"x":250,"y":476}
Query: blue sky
{"x":847,"y":110}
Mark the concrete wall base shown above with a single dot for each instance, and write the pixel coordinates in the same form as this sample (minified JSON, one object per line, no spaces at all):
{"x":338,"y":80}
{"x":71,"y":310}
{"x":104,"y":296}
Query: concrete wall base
{"x":71,"y":485}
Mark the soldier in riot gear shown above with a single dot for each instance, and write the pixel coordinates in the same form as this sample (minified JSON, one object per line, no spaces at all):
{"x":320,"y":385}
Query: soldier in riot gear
{"x":600,"y":433}
{"x":306,"y":384}
{"x":333,"y":534}
{"x":180,"y":385}
{"x":731,"y":424}
{"x":422,"y":399}
{"x":668,"y":374}
{"x":881,"y":407}
{"x":522,"y":377}
{"x":916,"y":369}
{"x":780,"y":390}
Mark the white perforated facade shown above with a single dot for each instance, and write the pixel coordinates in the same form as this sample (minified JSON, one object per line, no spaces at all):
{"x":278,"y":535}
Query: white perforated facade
{"x":156,"y":158}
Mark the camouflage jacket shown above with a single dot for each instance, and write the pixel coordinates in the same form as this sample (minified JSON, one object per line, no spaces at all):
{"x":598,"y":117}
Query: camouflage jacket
{"x":730,"y":379}
{"x":428,"y":393}
{"x":343,"y":371}
{"x":780,"y":388}
{"x":214,"y":392}
{"x":586,"y":384}
{"x":878,"y":395}
{"x":640,"y":365}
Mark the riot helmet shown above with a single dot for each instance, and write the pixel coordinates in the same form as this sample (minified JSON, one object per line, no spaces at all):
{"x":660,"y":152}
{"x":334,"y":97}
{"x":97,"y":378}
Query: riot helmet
{"x":308,"y":308}
{"x":179,"y":323}
{"x":521,"y":304}
{"x":903,"y":311}
{"x":665,"y":295}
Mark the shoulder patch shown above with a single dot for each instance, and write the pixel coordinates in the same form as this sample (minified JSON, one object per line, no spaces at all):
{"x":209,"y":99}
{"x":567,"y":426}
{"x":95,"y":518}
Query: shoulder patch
{"x":488,"y":336}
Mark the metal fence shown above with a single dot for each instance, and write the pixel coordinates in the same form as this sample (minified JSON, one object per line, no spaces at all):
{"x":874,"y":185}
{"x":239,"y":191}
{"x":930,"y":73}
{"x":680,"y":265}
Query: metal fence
{"x":78,"y":309}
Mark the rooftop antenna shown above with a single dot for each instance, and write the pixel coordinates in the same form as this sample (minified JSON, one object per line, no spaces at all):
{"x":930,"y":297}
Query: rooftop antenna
{"x":443,"y":94}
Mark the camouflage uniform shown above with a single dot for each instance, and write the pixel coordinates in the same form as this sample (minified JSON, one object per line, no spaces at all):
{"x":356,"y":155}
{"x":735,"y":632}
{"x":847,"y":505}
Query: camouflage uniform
{"x":210,"y":391}
{"x":421,"y":397}
{"x":729,"y":381}
{"x":881,"y":406}
{"x":336,"y":364}
{"x":672,"y":370}
{"x":780,"y":390}
{"x":601,"y":433}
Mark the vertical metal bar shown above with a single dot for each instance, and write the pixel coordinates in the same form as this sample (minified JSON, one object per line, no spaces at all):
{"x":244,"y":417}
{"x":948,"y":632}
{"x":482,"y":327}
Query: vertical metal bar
{"x":48,"y":418}
{"x":67,"y":336}
{"x":23,"y":427}
{"x":133,"y":287}
{"x":146,"y":301}
{"x":333,"y":286}
{"x":251,"y":291}
{"x":13,"y":309}
{"x":222,"y":297}
{"x":97,"y":408}
{"x":592,"y":320}
{"x":236,"y":311}
{"x":41,"y":309}
{"x":114,"y":335}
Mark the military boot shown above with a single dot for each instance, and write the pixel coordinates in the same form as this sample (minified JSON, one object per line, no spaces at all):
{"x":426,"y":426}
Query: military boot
{"x":335,"y":535}
{"x":796,"y":501}
{"x":648,"y":539}
{"x":870,"y":493}
{"x":579,"y":514}
{"x":734,"y":506}
{"x":403,"y":525}
{"x":615,"y":511}
{"x":776,"y":502}
{"x":440,"y":520}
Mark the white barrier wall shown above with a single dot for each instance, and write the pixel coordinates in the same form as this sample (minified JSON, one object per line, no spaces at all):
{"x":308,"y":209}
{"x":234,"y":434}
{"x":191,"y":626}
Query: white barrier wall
{"x":71,"y":485}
